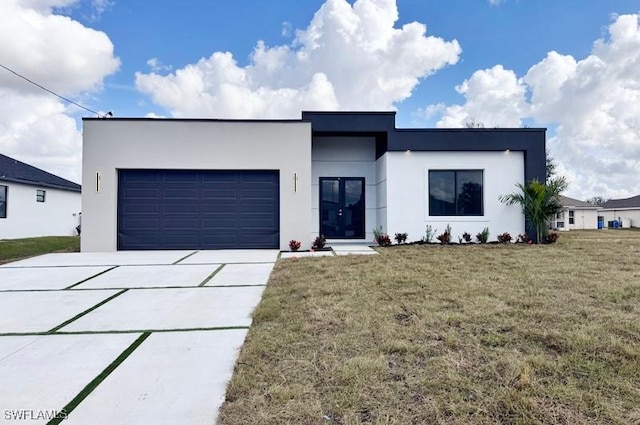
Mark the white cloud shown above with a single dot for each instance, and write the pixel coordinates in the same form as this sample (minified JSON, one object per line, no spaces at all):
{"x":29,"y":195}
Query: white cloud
{"x":156,"y":65}
{"x":60,"y":54}
{"x":349,"y":57}
{"x":593,"y":104}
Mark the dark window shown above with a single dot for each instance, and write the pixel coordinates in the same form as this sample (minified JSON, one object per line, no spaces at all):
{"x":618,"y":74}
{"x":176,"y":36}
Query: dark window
{"x":571,"y":216}
{"x":3,"y":201}
{"x":40,"y":195}
{"x":560,"y":225}
{"x":455,"y":192}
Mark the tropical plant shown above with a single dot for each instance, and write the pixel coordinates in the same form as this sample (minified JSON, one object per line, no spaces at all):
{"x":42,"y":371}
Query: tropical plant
{"x":429,"y":233}
{"x":483,"y":236}
{"x":552,"y":237}
{"x":319,"y":242}
{"x":445,"y":238}
{"x":294,"y":245}
{"x":539,"y":202}
{"x":401,"y":237}
{"x":505,"y":237}
{"x":381,"y":237}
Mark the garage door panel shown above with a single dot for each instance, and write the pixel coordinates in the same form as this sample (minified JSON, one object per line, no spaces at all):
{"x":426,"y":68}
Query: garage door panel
{"x":179,"y":208}
{"x":184,"y":193}
{"x":219,"y":207}
{"x":145,"y":223}
{"x":181,"y":177}
{"x":142,"y":208}
{"x":140,"y":193}
{"x":184,"y":209}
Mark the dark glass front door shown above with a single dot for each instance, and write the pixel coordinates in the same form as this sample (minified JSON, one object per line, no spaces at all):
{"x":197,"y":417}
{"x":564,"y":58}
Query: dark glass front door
{"x":342,"y":207}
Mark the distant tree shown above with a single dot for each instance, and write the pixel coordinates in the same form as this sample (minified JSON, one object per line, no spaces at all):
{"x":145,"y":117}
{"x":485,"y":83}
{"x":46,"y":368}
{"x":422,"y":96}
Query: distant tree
{"x":596,"y":200}
{"x":473,"y":123}
{"x":551,"y":166}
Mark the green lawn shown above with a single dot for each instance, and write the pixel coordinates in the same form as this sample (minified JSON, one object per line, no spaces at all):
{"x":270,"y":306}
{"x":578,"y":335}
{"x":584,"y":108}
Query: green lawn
{"x":16,"y":249}
{"x":486,"y":334}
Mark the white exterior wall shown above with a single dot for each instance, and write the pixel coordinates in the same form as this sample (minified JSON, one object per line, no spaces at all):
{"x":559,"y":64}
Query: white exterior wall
{"x":381,"y":191}
{"x":57,"y":216}
{"x":110,"y":145}
{"x":583,"y":219}
{"x":345,"y":157}
{"x":632,"y":214}
{"x":407,"y":192}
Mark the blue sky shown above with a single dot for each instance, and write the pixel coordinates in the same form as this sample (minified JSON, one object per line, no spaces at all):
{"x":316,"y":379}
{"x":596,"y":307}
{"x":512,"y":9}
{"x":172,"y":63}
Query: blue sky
{"x":481,"y":60}
{"x":516,"y":34}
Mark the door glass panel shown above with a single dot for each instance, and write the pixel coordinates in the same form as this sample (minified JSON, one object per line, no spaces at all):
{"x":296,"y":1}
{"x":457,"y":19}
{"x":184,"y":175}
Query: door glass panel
{"x":330,"y":208}
{"x":353,"y":209}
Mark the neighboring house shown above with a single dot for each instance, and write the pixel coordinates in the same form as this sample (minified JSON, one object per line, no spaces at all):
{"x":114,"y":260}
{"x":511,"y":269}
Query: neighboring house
{"x":626,"y":211}
{"x":208,"y":184}
{"x":576,"y":215}
{"x":36,"y":203}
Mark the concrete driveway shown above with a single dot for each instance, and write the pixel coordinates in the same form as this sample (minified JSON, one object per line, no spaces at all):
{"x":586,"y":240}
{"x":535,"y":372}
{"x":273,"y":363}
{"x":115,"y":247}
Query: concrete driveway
{"x":145,"y":337}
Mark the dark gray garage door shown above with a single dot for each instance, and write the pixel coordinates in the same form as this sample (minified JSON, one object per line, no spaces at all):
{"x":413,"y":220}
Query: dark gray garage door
{"x":187,"y":209}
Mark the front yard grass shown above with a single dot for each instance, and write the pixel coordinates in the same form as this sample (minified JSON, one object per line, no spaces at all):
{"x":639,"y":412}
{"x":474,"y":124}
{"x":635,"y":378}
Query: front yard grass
{"x":448,"y":335}
{"x":17,"y":249}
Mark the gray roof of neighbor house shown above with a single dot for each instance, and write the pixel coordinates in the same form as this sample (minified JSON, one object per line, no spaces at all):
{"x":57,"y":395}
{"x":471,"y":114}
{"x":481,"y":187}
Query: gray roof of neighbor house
{"x":633,"y":202}
{"x":574,"y":203}
{"x":12,"y":170}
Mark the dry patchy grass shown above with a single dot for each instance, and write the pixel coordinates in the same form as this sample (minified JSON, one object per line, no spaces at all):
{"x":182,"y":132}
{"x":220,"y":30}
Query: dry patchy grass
{"x":448,"y":335}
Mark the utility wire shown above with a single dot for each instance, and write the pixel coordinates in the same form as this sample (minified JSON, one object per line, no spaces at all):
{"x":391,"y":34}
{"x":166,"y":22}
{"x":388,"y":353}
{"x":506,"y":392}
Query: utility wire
{"x":52,"y":92}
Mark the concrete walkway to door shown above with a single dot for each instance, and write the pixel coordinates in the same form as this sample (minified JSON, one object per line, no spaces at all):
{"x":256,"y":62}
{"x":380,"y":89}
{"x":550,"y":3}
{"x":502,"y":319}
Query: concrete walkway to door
{"x":144,"y":337}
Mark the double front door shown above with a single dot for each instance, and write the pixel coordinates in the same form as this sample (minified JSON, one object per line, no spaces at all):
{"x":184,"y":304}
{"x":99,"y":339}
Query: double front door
{"x":342,"y":207}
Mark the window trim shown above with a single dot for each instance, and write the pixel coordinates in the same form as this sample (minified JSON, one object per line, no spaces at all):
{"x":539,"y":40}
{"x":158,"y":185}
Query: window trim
{"x":41,"y":195}
{"x":455,"y":171}
{"x":6,"y":200}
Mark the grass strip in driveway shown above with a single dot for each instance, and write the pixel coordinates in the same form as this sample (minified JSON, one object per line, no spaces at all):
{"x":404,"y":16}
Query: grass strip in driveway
{"x":98,"y":379}
{"x":87,"y":311}
{"x":184,"y":258}
{"x":448,"y":334}
{"x":90,"y":277}
{"x":215,"y":272}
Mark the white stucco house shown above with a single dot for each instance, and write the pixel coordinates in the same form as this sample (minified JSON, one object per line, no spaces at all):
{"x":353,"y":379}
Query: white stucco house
{"x":626,"y":211}
{"x":208,"y":184}
{"x":576,"y":214}
{"x":35,"y":203}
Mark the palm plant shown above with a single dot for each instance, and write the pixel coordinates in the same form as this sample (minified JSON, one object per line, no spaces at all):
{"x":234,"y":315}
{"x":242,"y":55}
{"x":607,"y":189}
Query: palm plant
{"x":539,"y":202}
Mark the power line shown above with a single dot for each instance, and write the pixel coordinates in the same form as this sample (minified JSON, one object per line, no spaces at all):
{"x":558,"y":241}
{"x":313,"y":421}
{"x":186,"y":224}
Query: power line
{"x":54,"y":93}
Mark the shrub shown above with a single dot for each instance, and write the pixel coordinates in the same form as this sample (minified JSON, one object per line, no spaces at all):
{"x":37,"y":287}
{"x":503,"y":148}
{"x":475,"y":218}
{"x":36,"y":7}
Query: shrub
{"x":319,"y":242}
{"x":504,"y":238}
{"x":294,"y":245}
{"x":383,"y":240}
{"x":523,"y":238}
{"x":429,"y":234}
{"x":466,"y":236}
{"x":380,"y":237}
{"x":401,"y":237}
{"x":445,"y":238}
{"x":483,"y":236}
{"x":552,"y":237}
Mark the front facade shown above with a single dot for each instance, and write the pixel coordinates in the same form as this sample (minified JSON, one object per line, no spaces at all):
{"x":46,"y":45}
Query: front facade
{"x":36,"y":203}
{"x":576,"y":215}
{"x":209,"y":184}
{"x":625,"y":211}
